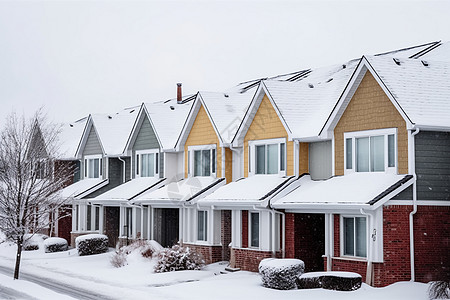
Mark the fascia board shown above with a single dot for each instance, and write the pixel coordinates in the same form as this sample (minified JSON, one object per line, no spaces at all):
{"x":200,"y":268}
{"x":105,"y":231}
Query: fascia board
{"x":89,"y":124}
{"x":153,"y":126}
{"x":178,"y":142}
{"x":188,"y":123}
{"x":320,"y":207}
{"x":389,"y":196}
{"x":211,"y":120}
{"x":134,"y":130}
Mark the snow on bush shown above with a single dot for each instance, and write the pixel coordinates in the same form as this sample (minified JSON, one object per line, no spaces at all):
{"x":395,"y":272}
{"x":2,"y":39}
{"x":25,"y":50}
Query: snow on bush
{"x":439,"y":290}
{"x":55,"y":244}
{"x":33,"y":241}
{"x":339,"y":281}
{"x":147,"y":248}
{"x":280,"y":274}
{"x":178,"y":258}
{"x":91,"y":244}
{"x":119,"y":259}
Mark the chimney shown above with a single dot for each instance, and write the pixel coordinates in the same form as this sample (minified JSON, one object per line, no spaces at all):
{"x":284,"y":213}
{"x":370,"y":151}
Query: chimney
{"x":179,"y":95}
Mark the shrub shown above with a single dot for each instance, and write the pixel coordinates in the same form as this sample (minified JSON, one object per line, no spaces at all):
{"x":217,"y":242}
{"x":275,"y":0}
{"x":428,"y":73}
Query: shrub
{"x":178,"y":258}
{"x":147,"y":248}
{"x":32,"y":241}
{"x":280,"y":274}
{"x":119,"y":259}
{"x":91,"y":244}
{"x":439,"y":290}
{"x":339,"y":281}
{"x":55,"y":244}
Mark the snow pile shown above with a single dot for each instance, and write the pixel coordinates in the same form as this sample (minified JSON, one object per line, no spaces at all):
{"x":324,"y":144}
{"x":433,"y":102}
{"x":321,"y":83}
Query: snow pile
{"x":33,"y":241}
{"x":91,"y":244}
{"x":339,"y":281}
{"x":439,"y":290}
{"x":55,"y":244}
{"x":178,"y":258}
{"x":281,"y":274}
{"x":145,"y":248}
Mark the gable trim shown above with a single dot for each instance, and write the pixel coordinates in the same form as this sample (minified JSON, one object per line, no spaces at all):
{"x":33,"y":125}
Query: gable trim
{"x":87,"y":129}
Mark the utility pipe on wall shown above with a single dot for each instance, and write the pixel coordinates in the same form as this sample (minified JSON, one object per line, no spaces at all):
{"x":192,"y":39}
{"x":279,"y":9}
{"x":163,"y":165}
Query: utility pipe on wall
{"x":412,"y":157}
{"x":124,"y":168}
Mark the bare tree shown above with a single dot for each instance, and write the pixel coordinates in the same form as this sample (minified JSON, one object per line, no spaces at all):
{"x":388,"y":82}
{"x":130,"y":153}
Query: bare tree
{"x":30,"y":178}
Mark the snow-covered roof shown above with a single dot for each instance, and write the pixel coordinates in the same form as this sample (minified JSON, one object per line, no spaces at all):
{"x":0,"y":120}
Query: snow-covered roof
{"x":421,"y":88}
{"x":70,"y":137}
{"x":363,"y":189}
{"x":175,"y":193}
{"x":83,"y":188}
{"x":128,"y":190}
{"x":114,"y":129}
{"x":440,"y":53}
{"x":168,"y":118}
{"x":253,"y":189}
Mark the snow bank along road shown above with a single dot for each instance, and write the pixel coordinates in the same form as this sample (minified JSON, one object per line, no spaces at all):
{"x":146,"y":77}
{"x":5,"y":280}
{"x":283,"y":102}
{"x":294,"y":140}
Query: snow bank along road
{"x":72,"y":291}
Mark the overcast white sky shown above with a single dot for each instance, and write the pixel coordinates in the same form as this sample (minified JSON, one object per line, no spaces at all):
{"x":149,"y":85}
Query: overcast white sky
{"x":81,"y":57}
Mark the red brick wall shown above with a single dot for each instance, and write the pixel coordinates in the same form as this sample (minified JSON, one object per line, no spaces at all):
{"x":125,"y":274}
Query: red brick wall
{"x":356,"y":266}
{"x":244,"y":228}
{"x":290,"y":235}
{"x":211,"y":254}
{"x":65,"y":223}
{"x":226,"y":234}
{"x":337,"y":244}
{"x":248,"y":259}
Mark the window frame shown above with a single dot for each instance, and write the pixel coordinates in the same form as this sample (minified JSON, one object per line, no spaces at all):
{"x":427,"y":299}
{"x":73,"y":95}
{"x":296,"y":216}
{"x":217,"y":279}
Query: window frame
{"x":252,"y":157}
{"x":342,"y":236}
{"x":386,"y":132}
{"x":250,"y":213}
{"x":87,"y":158}
{"x":191,"y":159}
{"x":205,"y":225}
{"x":138,"y":162}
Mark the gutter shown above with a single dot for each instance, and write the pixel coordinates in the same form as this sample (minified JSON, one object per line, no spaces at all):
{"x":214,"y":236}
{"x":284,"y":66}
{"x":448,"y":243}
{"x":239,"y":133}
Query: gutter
{"x":412,"y":157}
{"x":124,"y":167}
{"x":369,"y":270}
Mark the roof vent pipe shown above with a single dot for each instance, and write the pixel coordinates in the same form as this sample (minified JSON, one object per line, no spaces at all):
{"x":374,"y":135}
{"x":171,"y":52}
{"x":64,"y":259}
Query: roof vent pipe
{"x":179,"y":94}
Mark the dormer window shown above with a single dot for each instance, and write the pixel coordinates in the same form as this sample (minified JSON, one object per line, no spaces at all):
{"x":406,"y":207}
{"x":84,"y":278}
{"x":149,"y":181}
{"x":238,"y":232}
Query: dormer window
{"x":202,"y":160}
{"x":93,"y":166}
{"x":371,"y":151}
{"x":147,"y":164}
{"x":267,"y":157}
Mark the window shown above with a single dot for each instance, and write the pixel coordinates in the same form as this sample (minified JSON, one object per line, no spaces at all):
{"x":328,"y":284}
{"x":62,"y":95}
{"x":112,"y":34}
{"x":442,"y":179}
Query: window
{"x":203,"y":160}
{"x":371,"y":151}
{"x":42,"y":169}
{"x":202,"y":225}
{"x":147,"y":163}
{"x":254,"y":229}
{"x":92,"y":167}
{"x":355,"y":236}
{"x":128,"y":225}
{"x":267,"y":156}
{"x":92,"y":218}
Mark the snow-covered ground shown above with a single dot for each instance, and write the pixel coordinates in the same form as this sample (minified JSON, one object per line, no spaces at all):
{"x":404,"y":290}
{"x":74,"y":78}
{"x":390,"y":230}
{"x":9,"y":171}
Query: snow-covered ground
{"x":137,"y":280}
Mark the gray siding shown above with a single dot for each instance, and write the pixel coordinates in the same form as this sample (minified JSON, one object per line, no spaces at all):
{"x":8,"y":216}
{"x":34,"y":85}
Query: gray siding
{"x":146,"y":137}
{"x":115,"y":176}
{"x":92,"y":146}
{"x":433,"y":165}
{"x":320,"y":162}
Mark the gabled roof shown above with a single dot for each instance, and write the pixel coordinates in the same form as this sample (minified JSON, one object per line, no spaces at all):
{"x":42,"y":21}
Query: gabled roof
{"x":358,"y":190}
{"x":225,"y":112}
{"x":418,"y":89}
{"x":168,"y":118}
{"x":70,"y":138}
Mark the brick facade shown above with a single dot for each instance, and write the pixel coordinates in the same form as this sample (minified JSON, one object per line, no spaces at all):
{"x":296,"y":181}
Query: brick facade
{"x":248,"y":259}
{"x":226,"y":234}
{"x":211,"y":254}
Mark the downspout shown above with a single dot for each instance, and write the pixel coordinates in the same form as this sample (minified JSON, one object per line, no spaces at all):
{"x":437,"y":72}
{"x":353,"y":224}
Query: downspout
{"x":413,"y":212}
{"x":369,"y":269}
{"x":124,"y":167}
{"x":331,"y":241}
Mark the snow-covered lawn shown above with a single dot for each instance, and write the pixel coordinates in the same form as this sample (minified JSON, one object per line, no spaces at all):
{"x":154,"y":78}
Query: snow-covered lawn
{"x":138,"y":281}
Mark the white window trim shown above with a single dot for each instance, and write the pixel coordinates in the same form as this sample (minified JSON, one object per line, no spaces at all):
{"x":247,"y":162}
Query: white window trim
{"x":250,"y":229}
{"x":191,"y":166}
{"x":369,"y":133}
{"x":138,"y":162}
{"x":205,"y":223}
{"x":342,"y":241}
{"x":252,"y":155}
{"x":100,"y":165}
{"x":93,"y":209}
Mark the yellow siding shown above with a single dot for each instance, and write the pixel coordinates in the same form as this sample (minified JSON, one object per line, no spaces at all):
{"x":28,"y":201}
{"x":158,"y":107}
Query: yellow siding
{"x":370,"y":108}
{"x":267,"y":125}
{"x":228,"y":165}
{"x":202,"y":133}
{"x":304,"y":158}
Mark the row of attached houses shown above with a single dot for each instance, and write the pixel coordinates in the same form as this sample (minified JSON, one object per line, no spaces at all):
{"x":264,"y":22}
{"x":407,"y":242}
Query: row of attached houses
{"x":346,"y":167}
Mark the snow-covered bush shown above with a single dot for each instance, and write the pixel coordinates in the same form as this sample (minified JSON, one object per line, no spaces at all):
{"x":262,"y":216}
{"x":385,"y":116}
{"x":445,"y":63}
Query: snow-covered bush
{"x":339,"y":281}
{"x":91,"y":244}
{"x":118,"y":259}
{"x":147,"y":248}
{"x":33,"y":241}
{"x":280,"y":274}
{"x":178,"y":258}
{"x":55,"y":244}
{"x":439,"y":290}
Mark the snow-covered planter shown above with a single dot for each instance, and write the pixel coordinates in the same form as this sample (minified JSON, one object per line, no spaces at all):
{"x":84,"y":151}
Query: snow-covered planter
{"x":178,"y":258}
{"x":55,"y":244}
{"x":33,"y":241}
{"x":339,"y":281}
{"x":280,"y":274}
{"x":91,"y":244}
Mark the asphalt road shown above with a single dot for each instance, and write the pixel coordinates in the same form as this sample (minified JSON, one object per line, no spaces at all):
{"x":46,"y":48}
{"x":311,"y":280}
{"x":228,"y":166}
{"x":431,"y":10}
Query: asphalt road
{"x":59,"y":287}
